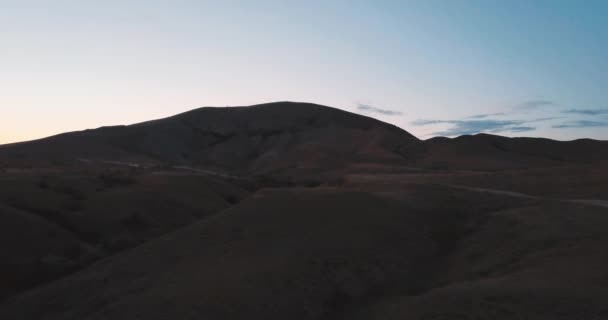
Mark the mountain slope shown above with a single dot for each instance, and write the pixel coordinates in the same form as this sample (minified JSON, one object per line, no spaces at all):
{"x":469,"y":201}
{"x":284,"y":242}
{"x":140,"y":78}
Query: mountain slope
{"x":244,"y":139}
{"x":282,"y":254}
{"x":491,"y":152}
{"x":53,"y":223}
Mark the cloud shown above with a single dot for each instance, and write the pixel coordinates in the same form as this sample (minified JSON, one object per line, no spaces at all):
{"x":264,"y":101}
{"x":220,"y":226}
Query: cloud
{"x":581,"y":124}
{"x":533,"y":104}
{"x":460,"y":127}
{"x":522,"y":129}
{"x":483,"y":116}
{"x":477,"y":125}
{"x":543,"y":119}
{"x":423,"y":122}
{"x":589,"y":112}
{"x":368,"y":108}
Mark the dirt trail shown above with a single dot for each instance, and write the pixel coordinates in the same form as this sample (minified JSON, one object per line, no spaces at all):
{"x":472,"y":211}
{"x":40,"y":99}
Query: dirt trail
{"x":494,"y":191}
{"x":193,"y":170}
{"x":599,"y":203}
{"x":199,"y":171}
{"x":591,"y":202}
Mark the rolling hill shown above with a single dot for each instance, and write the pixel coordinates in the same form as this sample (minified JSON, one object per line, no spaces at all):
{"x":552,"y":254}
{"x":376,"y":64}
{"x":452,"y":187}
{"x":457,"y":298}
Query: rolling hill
{"x":300,"y":211}
{"x":246,"y":140}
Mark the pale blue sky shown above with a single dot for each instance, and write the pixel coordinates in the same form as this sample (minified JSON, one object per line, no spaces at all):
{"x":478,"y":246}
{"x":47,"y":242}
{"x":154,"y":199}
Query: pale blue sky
{"x":515,"y":68}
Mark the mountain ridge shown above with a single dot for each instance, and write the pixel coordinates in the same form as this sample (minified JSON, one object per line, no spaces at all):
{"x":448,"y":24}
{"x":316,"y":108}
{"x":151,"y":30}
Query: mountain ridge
{"x":261,"y":138}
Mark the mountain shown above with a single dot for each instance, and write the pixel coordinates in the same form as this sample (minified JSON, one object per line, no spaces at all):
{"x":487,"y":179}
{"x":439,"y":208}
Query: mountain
{"x":239,"y":139}
{"x":300,"y":211}
{"x":293,"y":137}
{"x":491,"y":152}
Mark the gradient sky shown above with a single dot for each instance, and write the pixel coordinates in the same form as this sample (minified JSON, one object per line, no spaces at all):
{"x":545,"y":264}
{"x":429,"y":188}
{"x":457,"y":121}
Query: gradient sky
{"x":514,"y":68}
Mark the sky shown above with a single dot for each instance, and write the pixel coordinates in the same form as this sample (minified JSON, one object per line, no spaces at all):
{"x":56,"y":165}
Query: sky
{"x":515,"y":68}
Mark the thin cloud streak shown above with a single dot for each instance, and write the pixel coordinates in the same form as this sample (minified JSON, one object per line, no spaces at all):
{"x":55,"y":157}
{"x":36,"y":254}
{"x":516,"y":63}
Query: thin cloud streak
{"x":581,"y":124}
{"x":385,"y":112}
{"x":424,"y":122}
{"x":464,"y":127}
{"x":522,"y":129}
{"x":487,"y":122}
{"x":589,"y":112}
{"x":476,"y":126}
{"x":483,"y":116}
{"x":534,"y":104}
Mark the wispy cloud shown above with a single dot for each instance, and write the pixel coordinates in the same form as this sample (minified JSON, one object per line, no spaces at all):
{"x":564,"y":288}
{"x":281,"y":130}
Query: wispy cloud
{"x":368,"y":108}
{"x":581,"y":124}
{"x":522,"y":129}
{"x":500,"y":122}
{"x":466,"y":126}
{"x":486,"y":115}
{"x":476,"y":126}
{"x":588,"y":112}
{"x":533,"y":104}
{"x":461,"y":127}
{"x":424,"y":122}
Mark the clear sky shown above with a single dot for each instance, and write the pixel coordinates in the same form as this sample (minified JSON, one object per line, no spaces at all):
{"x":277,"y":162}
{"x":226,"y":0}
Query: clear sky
{"x":515,"y":68}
